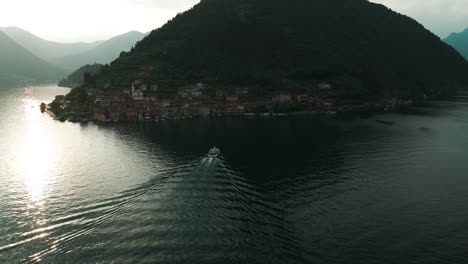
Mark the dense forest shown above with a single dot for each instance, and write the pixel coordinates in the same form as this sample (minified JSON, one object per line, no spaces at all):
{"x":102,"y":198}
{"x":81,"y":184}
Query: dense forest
{"x":76,"y":78}
{"x":363,"y":49}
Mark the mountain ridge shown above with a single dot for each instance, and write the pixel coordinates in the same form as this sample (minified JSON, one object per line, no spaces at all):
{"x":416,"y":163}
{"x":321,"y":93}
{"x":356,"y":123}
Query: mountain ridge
{"x":103,"y":53}
{"x":459,"y":41}
{"x":17,"y":64}
{"x":274,"y":46}
{"x":72,"y":56}
{"x":43,"y":48}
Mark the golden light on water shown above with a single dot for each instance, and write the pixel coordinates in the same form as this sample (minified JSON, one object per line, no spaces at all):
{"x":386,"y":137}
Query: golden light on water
{"x":33,"y":154}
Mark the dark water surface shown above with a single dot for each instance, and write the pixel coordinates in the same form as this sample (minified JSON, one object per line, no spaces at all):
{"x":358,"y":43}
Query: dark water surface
{"x":388,"y":189}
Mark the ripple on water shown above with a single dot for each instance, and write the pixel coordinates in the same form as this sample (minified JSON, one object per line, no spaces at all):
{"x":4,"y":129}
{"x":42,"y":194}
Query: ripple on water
{"x":200,"y":210}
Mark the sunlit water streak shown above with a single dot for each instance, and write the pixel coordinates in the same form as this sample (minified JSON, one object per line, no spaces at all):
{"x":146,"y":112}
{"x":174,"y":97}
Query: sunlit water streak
{"x":388,"y":189}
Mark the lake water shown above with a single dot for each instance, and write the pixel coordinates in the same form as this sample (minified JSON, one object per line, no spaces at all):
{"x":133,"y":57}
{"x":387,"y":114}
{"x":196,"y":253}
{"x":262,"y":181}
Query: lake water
{"x":387,"y":189}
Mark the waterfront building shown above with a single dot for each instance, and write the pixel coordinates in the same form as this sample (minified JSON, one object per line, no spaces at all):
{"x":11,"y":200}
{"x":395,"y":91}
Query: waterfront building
{"x":232,"y":99}
{"x":284,"y":98}
{"x":242,"y":91}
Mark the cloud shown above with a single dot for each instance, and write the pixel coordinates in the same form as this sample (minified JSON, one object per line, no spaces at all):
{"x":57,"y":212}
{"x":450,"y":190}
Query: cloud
{"x":440,"y":16}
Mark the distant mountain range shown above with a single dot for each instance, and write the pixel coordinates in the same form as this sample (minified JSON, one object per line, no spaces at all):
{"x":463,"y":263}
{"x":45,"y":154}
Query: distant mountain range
{"x":45,"y":49}
{"x":103,"y":53}
{"x":362,"y":48}
{"x":17,"y":64}
{"x":40,"y":59}
{"x":459,"y":41}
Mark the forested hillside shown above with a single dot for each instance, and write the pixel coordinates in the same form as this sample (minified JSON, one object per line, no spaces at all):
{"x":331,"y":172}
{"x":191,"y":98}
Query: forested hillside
{"x":364,"y":49}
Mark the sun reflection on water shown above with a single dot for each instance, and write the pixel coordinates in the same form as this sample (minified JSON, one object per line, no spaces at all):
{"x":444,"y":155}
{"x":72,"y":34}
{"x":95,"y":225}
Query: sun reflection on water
{"x":33,"y":159}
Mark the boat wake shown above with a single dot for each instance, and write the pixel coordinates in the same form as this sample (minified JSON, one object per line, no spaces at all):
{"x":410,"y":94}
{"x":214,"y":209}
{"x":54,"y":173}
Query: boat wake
{"x":201,"y":210}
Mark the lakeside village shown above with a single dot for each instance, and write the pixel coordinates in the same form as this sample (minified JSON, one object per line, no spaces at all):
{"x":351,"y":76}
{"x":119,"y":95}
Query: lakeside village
{"x":135,"y":103}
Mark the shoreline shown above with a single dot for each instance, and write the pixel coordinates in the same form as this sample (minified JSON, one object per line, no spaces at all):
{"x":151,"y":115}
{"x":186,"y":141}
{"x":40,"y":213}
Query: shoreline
{"x":311,"y":114}
{"x":50,"y":113}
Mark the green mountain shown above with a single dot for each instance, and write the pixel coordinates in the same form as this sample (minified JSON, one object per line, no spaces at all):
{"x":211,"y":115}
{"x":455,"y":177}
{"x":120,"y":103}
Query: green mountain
{"x":459,"y":41}
{"x":77,"y":77}
{"x":363,"y":49}
{"x":18,"y":64}
{"x":45,"y":49}
{"x":105,"y":52}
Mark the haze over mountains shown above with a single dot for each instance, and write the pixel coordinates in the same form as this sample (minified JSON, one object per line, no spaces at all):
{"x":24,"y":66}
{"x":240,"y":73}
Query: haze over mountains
{"x":459,"y":41}
{"x":364,"y":49}
{"x":39,"y":59}
{"x":18,"y":64}
{"x":45,"y":49}
{"x":103,"y":53}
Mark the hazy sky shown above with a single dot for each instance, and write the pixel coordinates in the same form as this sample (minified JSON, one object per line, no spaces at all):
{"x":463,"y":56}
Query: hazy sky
{"x":89,"y":20}
{"x":442,"y":17}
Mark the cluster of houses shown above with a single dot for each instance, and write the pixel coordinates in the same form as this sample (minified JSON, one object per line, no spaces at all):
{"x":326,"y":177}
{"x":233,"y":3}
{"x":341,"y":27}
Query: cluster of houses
{"x":140,"y":103}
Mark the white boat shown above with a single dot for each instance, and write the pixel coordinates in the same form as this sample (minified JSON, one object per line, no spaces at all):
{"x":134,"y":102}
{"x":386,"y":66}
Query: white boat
{"x":214,"y":152}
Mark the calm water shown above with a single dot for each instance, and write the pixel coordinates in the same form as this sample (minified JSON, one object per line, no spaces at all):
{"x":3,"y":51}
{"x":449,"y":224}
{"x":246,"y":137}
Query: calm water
{"x":288,"y":190}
